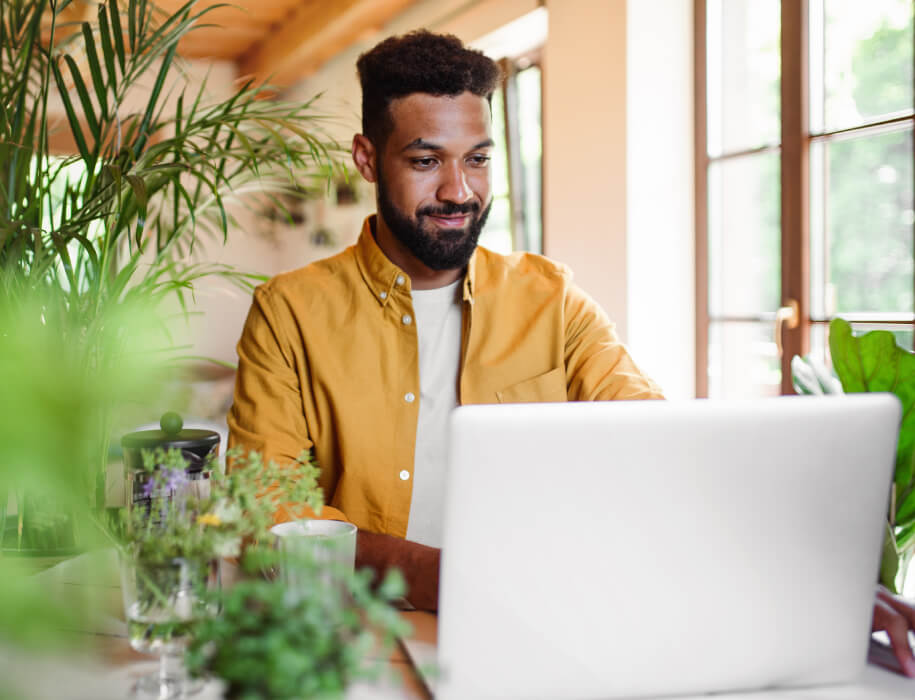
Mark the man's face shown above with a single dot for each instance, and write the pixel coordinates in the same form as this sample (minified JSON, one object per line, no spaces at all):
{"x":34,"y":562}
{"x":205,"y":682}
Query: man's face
{"x":433,"y":176}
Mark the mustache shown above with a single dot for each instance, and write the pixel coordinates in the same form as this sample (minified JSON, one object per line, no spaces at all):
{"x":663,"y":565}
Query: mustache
{"x":450,"y":209}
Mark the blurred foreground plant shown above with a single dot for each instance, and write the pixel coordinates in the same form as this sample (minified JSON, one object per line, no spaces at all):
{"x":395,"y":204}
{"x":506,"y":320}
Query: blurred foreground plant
{"x":275,"y":641}
{"x":53,"y":400}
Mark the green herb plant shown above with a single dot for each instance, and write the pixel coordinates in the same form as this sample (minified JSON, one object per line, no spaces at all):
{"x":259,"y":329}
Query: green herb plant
{"x":874,"y":362}
{"x":212,"y":518}
{"x":272,"y":641}
{"x":270,"y":638}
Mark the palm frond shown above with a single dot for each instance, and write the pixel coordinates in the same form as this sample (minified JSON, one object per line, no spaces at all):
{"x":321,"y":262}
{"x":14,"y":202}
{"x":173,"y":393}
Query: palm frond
{"x":108,"y":229}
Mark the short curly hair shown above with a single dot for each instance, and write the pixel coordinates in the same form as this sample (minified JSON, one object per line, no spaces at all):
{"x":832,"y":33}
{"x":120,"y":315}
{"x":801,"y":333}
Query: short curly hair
{"x":435,"y":64}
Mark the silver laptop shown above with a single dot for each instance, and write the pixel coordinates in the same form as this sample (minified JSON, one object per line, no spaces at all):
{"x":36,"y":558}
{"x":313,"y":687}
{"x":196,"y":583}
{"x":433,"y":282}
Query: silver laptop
{"x":641,"y":549}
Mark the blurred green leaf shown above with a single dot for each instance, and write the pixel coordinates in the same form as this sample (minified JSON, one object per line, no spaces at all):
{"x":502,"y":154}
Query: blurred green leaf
{"x":874,"y":362}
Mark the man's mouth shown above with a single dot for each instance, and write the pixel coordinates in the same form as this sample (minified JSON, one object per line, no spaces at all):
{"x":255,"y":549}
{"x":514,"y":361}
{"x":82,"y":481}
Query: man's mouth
{"x":451,"y":220}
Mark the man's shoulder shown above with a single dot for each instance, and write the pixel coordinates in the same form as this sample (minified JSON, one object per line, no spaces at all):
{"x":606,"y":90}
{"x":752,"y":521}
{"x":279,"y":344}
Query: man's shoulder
{"x":339,"y":269}
{"x":519,"y":267}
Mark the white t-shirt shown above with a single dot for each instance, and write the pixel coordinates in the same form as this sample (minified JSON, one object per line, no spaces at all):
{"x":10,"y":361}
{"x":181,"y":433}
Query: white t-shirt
{"x":438,"y":327}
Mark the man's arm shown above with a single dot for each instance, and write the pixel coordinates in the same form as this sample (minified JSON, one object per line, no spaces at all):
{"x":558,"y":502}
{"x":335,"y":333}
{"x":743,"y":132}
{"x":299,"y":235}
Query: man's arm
{"x":598,"y":365}
{"x":266,"y":414}
{"x":418,"y":563}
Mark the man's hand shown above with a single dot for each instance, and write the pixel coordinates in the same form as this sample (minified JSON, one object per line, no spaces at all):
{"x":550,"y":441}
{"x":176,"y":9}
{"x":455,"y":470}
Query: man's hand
{"x":418,"y":563}
{"x":896,"y":616}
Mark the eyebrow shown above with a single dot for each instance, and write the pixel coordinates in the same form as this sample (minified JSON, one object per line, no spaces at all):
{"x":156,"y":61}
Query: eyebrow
{"x":422,"y":144}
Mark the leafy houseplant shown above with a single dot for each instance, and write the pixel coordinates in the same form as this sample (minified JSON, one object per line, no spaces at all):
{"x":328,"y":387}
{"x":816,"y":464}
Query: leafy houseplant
{"x":272,"y":641}
{"x":874,"y":362}
{"x":269,"y":639}
{"x":171,"y":541}
{"x":113,"y":224}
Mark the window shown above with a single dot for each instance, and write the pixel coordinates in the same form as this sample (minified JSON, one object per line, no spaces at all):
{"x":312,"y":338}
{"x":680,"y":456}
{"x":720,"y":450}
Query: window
{"x":515,"y":221}
{"x":804,"y":116}
{"x":516,"y":218}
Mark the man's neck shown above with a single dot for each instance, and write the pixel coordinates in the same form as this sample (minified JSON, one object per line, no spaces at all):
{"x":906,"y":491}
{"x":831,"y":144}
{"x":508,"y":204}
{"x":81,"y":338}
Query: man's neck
{"x":421,"y":276}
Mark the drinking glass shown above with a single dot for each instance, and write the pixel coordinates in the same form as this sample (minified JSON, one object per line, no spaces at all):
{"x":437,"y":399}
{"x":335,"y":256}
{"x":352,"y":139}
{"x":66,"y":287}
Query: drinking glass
{"x":162,"y":602}
{"x":329,"y":543}
{"x":315,"y":554}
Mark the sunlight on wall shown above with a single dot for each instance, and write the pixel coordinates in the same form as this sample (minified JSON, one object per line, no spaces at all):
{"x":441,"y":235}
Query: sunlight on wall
{"x":660,"y":257}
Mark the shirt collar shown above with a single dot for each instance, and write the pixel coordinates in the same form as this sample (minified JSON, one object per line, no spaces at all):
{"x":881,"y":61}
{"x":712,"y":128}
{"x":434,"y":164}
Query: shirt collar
{"x":381,"y":275}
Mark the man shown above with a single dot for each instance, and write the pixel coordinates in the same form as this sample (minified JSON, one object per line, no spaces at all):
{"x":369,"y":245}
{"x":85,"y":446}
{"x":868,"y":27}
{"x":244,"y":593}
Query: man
{"x":362,"y":356}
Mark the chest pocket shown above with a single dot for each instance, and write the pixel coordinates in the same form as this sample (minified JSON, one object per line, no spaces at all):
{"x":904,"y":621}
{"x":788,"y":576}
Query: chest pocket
{"x":543,"y":388}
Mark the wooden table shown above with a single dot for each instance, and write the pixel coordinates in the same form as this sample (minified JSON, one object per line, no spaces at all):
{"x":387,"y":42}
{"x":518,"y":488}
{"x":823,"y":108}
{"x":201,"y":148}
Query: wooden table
{"x":101,"y":664}
{"x":106,"y":666}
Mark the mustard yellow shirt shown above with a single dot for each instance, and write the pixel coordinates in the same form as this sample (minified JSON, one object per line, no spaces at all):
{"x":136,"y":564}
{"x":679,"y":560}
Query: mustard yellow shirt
{"x":328,"y":360}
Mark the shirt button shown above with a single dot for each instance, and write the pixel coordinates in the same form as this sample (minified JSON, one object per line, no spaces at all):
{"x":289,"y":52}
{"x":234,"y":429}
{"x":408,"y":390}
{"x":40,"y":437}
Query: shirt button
{"x":383,"y":295}
{"x":407,"y":319}
{"x":400,"y":280}
{"x":409,"y":397}
{"x":404,"y":475}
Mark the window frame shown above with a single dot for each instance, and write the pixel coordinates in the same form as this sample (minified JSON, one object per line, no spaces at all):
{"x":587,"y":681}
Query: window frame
{"x":796,"y":141}
{"x":511,"y":67}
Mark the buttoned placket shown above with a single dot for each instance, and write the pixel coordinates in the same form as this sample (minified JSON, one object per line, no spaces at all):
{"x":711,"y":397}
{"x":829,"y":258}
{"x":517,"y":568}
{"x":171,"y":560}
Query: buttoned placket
{"x":390,"y":287}
{"x":397,"y":294}
{"x":401,"y":312}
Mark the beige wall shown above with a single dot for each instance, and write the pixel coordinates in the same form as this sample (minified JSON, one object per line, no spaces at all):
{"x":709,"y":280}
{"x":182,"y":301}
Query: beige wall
{"x":584,"y":140}
{"x":618,"y":168}
{"x":660,"y":243}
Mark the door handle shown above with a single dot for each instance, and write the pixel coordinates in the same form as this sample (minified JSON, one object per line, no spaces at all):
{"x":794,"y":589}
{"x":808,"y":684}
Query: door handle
{"x":788,"y":315}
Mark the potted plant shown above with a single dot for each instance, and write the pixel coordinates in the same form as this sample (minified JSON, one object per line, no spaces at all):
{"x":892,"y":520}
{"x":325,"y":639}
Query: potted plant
{"x":112,"y":225}
{"x":171,"y":541}
{"x":874,"y":362}
{"x":264,"y":638}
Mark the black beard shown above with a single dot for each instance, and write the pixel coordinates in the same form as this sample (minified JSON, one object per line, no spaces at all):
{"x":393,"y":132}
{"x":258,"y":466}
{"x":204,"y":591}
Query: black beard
{"x":446,"y":250}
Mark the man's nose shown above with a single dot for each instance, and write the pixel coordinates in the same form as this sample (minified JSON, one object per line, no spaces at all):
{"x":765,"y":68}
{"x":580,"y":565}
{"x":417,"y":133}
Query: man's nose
{"x":454,"y":186}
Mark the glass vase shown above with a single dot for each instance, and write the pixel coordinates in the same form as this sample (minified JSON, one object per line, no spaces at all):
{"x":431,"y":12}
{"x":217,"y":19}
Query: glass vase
{"x":163,"y":600}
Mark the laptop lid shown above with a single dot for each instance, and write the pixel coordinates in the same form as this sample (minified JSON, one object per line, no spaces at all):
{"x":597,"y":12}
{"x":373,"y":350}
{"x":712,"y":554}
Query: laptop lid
{"x":635,"y":549}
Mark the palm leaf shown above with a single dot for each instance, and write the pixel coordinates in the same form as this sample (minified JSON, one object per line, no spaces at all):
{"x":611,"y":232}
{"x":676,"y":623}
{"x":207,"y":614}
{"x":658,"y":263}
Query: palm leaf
{"x":95,"y":68}
{"x":83,"y":93}
{"x":117,"y":32}
{"x":75,"y":127}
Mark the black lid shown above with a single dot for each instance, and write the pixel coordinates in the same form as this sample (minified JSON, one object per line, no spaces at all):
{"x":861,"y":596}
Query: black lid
{"x":187,"y":439}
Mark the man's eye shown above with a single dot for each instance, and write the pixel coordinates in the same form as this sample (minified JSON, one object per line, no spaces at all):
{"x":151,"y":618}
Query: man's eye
{"x":480,"y":161}
{"x":424,"y":163}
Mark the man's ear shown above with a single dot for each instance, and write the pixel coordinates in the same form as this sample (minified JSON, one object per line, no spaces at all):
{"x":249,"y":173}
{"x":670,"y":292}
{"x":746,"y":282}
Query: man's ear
{"x":364,"y":157}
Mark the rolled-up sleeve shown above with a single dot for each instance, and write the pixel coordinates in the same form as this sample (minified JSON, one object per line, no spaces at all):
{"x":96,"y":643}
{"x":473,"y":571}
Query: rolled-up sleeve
{"x":598,"y":365}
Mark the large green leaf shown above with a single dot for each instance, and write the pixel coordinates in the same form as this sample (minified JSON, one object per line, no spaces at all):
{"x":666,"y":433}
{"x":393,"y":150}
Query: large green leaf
{"x":874,"y":362}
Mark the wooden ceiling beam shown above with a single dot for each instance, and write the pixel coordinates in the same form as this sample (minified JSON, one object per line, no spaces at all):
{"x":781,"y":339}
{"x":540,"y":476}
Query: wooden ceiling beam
{"x":315,"y":31}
